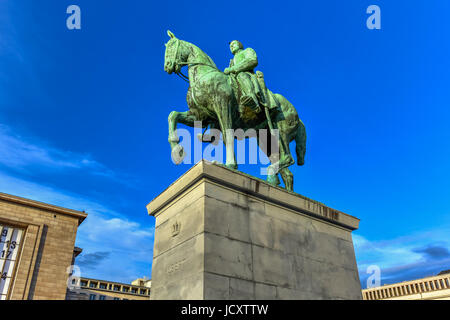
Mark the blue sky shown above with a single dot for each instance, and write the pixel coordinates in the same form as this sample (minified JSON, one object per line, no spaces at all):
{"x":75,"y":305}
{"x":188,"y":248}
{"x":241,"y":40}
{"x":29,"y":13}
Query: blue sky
{"x":83,"y":116}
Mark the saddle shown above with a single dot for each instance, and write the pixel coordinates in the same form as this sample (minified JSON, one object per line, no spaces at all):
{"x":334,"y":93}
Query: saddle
{"x":266,"y":99}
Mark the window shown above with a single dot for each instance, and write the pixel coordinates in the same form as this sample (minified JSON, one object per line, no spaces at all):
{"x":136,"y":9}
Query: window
{"x":125,"y":289}
{"x":93,"y":285}
{"x":142,"y":291}
{"x":83,"y":283}
{"x":10,"y":242}
{"x":102,"y":285}
{"x":116,"y":288}
{"x":115,"y":298}
{"x":92,"y":296}
{"x":102,"y":298}
{"x":133,"y":290}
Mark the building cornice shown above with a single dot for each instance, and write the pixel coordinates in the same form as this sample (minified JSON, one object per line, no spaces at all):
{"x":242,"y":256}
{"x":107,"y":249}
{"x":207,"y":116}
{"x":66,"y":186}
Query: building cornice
{"x":43,"y":206}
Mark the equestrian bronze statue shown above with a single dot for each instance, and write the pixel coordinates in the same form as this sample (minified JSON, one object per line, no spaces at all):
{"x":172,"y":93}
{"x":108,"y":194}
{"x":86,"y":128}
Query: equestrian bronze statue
{"x":234,"y":99}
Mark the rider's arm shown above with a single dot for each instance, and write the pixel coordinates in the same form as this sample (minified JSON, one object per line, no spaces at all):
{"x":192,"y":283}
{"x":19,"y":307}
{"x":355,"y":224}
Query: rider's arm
{"x":247,"y":64}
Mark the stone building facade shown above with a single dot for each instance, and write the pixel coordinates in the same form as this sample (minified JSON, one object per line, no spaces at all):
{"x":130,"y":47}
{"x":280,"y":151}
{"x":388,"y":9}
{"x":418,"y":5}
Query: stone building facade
{"x":36,"y":248}
{"x":94,"y":289}
{"x":430,"y":288}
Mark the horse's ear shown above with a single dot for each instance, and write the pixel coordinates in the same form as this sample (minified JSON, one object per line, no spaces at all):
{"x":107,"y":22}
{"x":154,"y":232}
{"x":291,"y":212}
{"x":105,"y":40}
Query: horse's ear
{"x":170,"y":34}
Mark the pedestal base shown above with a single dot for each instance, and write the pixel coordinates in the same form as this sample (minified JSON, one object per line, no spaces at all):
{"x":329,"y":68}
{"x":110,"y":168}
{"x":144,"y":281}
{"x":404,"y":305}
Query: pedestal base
{"x":221,"y":234}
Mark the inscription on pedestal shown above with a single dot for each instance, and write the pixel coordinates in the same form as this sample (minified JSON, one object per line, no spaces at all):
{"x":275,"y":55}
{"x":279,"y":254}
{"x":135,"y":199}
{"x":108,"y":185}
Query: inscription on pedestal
{"x":175,"y":266}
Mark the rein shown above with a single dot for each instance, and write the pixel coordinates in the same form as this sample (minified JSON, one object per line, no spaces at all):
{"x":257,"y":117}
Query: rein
{"x":182,"y":76}
{"x":186,"y":78}
{"x":186,"y":63}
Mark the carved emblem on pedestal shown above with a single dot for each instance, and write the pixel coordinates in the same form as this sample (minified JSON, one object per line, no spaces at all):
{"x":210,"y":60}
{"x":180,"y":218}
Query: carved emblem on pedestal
{"x":176,"y":227}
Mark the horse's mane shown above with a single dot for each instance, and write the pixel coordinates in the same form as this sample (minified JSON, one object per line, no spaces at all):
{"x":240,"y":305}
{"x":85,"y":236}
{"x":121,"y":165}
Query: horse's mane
{"x":201,"y":52}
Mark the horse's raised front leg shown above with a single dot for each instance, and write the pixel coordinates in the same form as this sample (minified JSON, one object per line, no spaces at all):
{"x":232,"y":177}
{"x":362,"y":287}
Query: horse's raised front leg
{"x":176,"y":117}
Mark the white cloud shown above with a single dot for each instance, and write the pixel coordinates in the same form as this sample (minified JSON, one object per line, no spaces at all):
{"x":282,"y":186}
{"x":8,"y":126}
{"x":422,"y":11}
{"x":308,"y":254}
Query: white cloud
{"x":125,"y":245}
{"x":129,"y":244}
{"x":19,"y":154}
{"x":384,"y":254}
{"x":130,"y":248}
{"x":15,"y":153}
{"x":39,"y":192}
{"x":404,"y":258}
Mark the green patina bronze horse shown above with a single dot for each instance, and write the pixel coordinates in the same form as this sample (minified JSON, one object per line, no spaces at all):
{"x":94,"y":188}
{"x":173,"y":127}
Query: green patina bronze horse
{"x":212,"y":98}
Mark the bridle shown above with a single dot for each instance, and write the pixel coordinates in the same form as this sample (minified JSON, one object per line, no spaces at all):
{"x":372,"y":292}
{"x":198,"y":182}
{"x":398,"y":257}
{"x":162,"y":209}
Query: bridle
{"x":186,"y":63}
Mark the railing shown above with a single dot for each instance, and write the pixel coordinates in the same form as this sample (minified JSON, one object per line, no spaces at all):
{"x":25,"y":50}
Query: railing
{"x":408,"y":288}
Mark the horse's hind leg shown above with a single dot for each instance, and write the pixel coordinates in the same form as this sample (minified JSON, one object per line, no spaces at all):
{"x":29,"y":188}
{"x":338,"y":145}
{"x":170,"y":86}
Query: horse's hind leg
{"x":266,"y":147}
{"x":288,"y":178}
{"x":281,"y":160}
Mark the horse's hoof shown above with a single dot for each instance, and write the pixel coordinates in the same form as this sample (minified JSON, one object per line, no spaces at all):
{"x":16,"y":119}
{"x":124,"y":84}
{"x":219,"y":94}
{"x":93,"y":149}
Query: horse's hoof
{"x":178,"y":154}
{"x":232,"y":166}
{"x":273,"y":179}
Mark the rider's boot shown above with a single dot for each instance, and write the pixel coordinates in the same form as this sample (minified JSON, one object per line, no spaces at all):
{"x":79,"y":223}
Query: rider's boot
{"x":249,"y":107}
{"x":249,"y":101}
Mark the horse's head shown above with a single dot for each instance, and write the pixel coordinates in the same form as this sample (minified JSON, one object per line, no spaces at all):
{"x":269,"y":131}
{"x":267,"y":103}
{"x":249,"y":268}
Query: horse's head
{"x":175,"y":54}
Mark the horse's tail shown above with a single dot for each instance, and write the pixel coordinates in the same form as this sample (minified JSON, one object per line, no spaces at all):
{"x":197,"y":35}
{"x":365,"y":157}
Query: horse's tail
{"x":300,"y":143}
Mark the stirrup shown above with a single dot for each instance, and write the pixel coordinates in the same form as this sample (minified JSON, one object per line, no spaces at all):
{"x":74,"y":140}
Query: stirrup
{"x":248,"y":101}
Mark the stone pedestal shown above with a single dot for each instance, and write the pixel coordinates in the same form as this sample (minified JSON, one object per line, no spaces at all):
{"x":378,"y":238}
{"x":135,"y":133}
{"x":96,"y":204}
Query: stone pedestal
{"x":222,"y":234}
